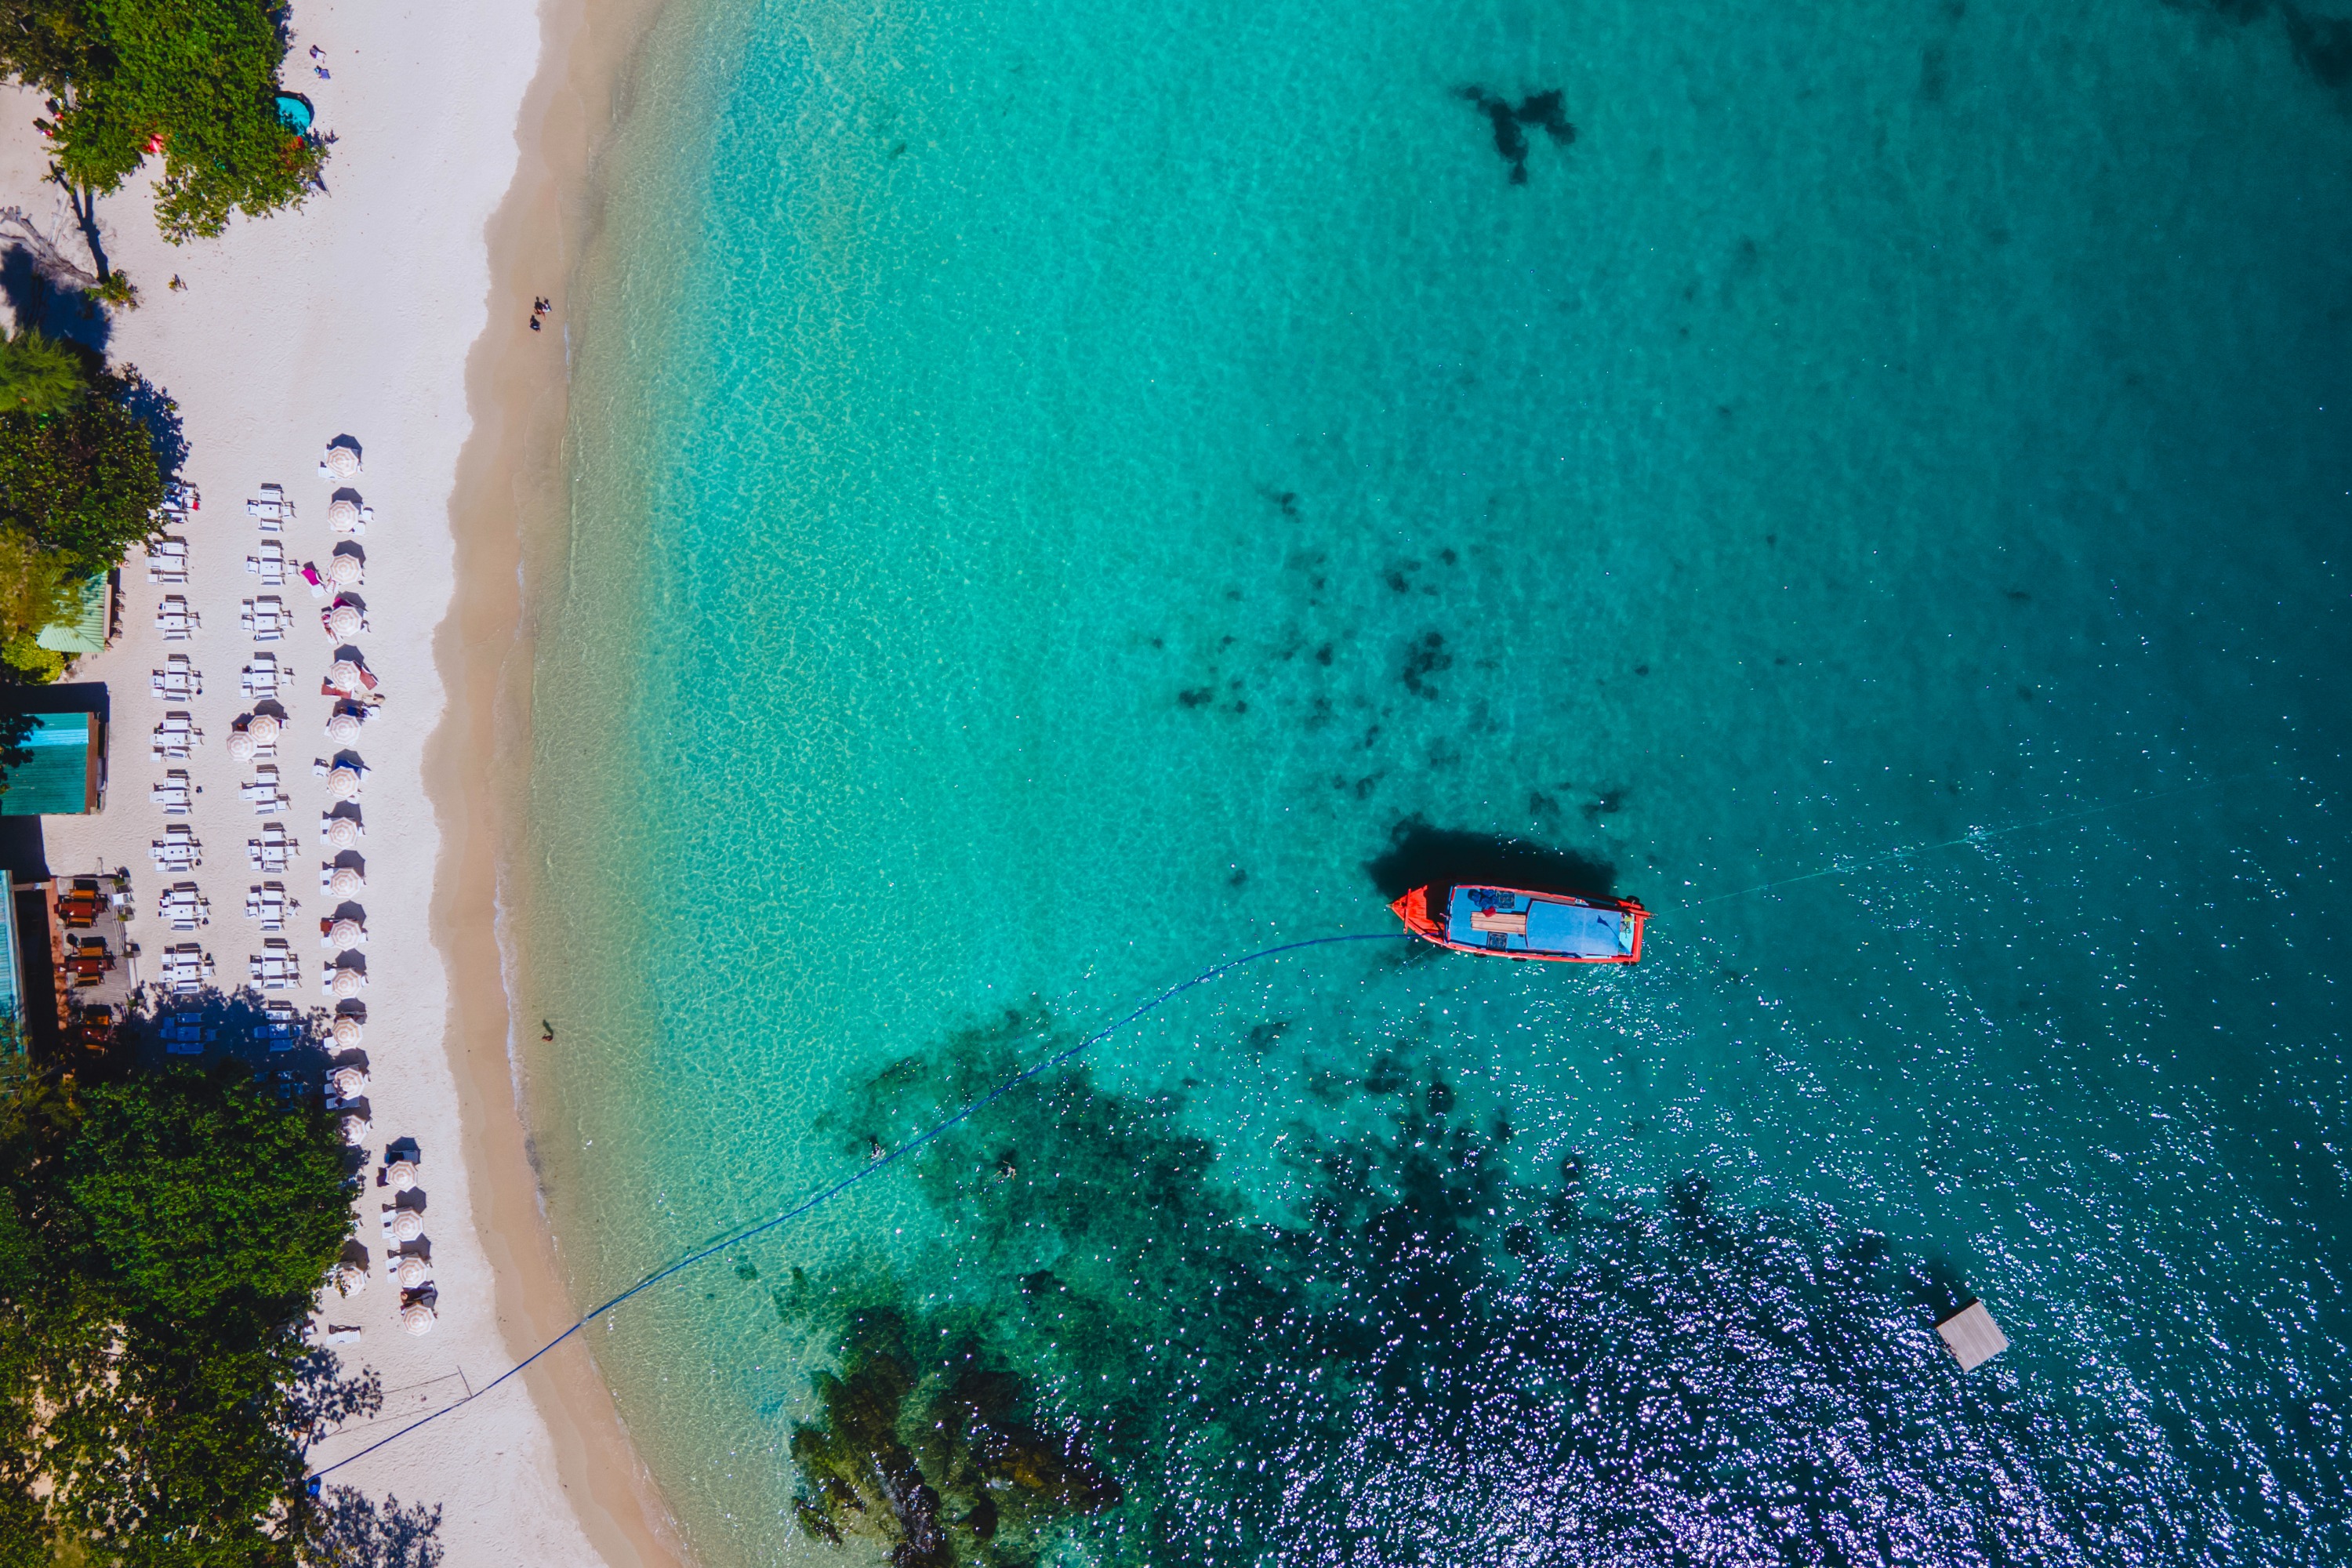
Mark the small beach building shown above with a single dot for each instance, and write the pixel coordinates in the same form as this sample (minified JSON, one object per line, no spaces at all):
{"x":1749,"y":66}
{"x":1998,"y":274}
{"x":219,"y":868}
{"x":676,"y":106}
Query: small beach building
{"x":85,"y":630}
{"x":65,"y":773}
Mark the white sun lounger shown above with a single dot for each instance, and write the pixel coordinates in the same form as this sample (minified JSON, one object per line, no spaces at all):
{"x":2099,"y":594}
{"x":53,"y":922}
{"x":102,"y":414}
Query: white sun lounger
{"x":182,"y":1034}
{"x":267,"y":904}
{"x":172,"y":793}
{"x":175,"y":620}
{"x":178,"y":680}
{"x":273,"y":511}
{"x":263,"y":792}
{"x":175,"y":737}
{"x":281,"y":1027}
{"x":264,"y":676}
{"x":167,"y":561}
{"x":275,"y":968}
{"x":268,"y":852}
{"x":185,"y":968}
{"x":182,"y":907}
{"x":268,"y":563}
{"x":265,"y":617}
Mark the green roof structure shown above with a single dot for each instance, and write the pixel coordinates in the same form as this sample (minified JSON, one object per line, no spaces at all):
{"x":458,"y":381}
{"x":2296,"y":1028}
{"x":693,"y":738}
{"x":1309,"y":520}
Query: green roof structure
{"x":61,"y":777}
{"x":85,"y":631}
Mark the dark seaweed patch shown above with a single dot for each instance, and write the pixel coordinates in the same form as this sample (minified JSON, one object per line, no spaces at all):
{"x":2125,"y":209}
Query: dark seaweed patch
{"x":1501,"y":1362}
{"x":909,"y":1442}
{"x":2322,"y":44}
{"x":1425,"y":657}
{"x":1538,"y":108}
{"x":1935,"y":73}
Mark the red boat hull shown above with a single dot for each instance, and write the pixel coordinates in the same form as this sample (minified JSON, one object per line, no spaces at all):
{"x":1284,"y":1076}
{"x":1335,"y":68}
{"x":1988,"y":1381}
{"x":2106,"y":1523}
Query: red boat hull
{"x":1413,"y":909}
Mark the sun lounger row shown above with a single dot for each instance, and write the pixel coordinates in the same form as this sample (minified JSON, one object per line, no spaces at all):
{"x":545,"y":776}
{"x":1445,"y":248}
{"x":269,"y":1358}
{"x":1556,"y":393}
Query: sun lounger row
{"x":182,"y":907}
{"x":266,"y":676}
{"x":178,"y":680}
{"x":167,"y":561}
{"x":270,"y":508}
{"x":175,"y":736}
{"x":268,"y":852}
{"x":178,"y":850}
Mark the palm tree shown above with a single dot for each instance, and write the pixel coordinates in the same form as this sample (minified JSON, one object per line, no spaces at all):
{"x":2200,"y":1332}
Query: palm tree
{"x":38,"y":374}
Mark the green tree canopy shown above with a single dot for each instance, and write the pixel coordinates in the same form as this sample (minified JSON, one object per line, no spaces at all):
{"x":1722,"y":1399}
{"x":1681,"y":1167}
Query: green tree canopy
{"x":83,"y":483}
{"x":203,"y":75}
{"x":161,"y":1240}
{"x":40,"y":375}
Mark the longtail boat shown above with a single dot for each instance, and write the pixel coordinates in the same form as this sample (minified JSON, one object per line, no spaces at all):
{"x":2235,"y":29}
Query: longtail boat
{"x":1512,"y":922}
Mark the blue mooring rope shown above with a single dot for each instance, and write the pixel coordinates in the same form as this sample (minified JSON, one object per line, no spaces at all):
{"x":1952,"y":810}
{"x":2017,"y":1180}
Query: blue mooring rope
{"x":872,"y":1167}
{"x":827,"y":1194}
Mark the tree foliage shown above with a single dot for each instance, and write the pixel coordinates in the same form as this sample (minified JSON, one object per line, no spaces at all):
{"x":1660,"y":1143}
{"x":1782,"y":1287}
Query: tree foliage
{"x":83,"y":483}
{"x":161,"y":1238}
{"x":40,"y":375}
{"x":201,"y":75}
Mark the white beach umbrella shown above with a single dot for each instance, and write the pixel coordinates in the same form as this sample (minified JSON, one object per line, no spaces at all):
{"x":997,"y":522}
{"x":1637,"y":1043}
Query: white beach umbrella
{"x":344,"y":833}
{"x":346,"y":882}
{"x":241,"y":745}
{"x":400,"y":1175}
{"x":408,"y":1225}
{"x":342,"y":516}
{"x":343,"y":728}
{"x":416,"y":1319}
{"x":344,"y":674}
{"x":263,"y":728}
{"x":343,"y":620}
{"x":350,"y":1278}
{"x":348,"y":983}
{"x":412,"y":1272}
{"x":355,"y":1128}
{"x":346,"y":934}
{"x":349,"y":1081}
{"x":343,"y":784}
{"x":343,"y":462}
{"x":346,"y":569}
{"x":348,"y":1032}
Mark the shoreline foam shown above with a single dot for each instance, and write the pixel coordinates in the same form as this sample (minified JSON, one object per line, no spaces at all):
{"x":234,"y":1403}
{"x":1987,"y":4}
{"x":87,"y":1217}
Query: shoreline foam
{"x":509,"y":495}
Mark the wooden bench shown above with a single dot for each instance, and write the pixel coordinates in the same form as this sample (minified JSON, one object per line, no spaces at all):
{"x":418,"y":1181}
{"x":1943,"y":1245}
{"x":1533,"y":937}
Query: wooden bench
{"x":1497,"y":921}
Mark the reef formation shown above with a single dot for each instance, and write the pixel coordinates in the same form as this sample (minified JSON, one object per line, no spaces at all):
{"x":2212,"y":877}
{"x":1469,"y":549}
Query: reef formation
{"x":1430,"y":1358}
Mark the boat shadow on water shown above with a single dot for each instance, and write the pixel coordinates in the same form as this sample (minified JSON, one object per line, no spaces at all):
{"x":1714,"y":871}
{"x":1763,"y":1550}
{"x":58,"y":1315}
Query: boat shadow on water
{"x":1422,"y":855}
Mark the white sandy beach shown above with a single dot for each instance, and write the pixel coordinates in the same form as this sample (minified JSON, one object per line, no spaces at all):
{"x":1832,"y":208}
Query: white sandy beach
{"x":354,"y":316}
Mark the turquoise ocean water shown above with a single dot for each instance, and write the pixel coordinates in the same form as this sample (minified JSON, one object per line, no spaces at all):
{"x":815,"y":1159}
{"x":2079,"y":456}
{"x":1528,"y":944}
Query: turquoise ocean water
{"x":1065,"y":494}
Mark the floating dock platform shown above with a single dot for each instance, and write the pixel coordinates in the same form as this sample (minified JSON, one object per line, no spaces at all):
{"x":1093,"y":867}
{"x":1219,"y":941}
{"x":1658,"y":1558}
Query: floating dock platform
{"x":1971,"y":1335}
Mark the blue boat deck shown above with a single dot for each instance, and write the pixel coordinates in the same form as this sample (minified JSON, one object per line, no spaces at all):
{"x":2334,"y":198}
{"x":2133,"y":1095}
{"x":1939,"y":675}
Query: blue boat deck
{"x":1503,"y":922}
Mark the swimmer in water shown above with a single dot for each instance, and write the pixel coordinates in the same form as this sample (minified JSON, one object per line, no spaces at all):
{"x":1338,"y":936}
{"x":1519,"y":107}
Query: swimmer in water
{"x":547,"y":1031}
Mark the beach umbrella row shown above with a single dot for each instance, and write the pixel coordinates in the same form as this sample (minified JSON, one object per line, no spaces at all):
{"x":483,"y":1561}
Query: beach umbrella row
{"x":254,"y":738}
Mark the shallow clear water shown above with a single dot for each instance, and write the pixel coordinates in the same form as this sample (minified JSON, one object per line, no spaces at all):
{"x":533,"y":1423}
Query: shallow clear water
{"x":1063,"y":496}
